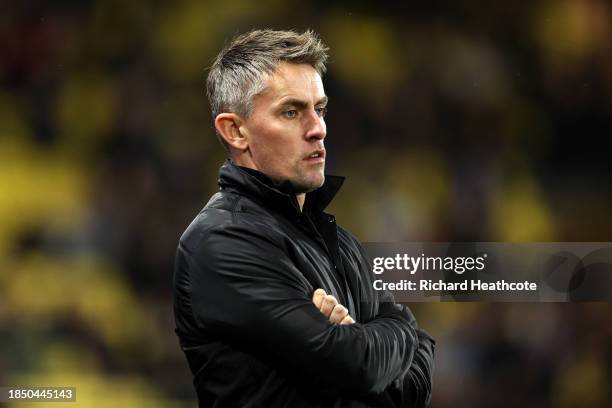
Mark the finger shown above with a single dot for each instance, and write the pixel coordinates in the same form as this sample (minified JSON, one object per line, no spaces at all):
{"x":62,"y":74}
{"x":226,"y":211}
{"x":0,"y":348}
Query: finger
{"x":329,"y":302}
{"x":317,"y":298}
{"x":347,"y":320}
{"x":338,"y":314}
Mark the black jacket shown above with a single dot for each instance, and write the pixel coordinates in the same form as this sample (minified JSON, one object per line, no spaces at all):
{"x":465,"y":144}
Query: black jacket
{"x":246,"y":269}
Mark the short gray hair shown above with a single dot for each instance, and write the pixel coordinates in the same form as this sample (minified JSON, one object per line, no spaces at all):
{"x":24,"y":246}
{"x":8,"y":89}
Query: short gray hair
{"x":237,"y":75}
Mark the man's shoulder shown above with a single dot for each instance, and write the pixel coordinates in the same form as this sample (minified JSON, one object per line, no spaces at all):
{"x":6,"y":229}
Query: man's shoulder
{"x":352,"y":248}
{"x":224,"y":211}
{"x":345,"y":237}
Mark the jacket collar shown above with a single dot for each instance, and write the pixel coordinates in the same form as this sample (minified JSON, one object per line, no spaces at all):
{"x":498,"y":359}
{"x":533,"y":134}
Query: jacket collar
{"x":279,"y":195}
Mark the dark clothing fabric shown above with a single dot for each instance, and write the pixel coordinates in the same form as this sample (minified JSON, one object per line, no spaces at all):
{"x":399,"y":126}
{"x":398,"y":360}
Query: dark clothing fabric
{"x":246,"y":269}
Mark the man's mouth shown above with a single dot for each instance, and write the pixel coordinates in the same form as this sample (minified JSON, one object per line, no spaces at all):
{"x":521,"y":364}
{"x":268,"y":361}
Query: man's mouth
{"x":317,"y":155}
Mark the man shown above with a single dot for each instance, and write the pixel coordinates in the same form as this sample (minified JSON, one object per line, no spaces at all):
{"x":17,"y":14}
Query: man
{"x":274,"y":302}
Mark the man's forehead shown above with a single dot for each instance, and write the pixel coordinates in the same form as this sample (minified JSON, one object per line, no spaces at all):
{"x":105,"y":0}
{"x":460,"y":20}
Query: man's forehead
{"x":293,"y":80}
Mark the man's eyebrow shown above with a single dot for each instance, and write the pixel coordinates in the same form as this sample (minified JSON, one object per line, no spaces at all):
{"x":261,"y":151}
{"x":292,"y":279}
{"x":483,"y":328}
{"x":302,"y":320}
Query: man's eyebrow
{"x":323,"y":100}
{"x":299,"y":103}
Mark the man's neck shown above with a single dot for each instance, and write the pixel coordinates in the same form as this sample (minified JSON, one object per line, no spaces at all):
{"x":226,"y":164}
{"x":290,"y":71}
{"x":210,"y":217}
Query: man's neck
{"x":300,"y":199}
{"x":241,"y":161}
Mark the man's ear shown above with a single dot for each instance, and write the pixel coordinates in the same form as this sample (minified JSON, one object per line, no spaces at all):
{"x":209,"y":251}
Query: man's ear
{"x":228,"y":125}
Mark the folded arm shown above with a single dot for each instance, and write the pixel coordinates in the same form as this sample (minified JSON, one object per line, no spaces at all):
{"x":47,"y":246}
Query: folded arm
{"x":415,"y":387}
{"x":244,"y":287}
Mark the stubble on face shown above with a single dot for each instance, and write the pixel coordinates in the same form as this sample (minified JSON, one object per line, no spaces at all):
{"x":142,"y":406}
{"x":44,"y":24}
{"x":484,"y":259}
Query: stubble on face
{"x":279,"y":146}
{"x":305,"y":183}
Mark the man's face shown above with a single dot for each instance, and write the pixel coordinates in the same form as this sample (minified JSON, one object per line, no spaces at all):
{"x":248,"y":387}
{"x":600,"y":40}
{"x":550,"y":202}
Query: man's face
{"x":286,"y":129}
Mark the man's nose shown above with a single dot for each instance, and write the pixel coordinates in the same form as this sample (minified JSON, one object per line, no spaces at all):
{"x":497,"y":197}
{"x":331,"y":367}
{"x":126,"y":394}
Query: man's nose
{"x":315,"y":126}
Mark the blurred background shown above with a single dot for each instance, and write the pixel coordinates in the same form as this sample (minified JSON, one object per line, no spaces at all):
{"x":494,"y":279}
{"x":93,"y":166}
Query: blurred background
{"x":452,"y":121}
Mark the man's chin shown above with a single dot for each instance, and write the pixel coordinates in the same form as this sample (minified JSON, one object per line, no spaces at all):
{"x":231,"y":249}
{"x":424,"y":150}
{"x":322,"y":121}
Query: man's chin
{"x":308,"y":186}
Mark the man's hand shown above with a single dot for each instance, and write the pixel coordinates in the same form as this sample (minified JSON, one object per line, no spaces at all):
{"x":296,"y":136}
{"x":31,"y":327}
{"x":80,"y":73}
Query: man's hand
{"x":329,"y":306}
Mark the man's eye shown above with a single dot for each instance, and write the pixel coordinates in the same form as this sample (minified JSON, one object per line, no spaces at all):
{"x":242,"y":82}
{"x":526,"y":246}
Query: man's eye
{"x":290,"y":114}
{"x":321,"y":112}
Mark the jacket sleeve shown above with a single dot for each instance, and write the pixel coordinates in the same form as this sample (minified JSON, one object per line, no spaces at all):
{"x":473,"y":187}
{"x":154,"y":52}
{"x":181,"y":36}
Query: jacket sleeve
{"x":415,"y":387}
{"x":245,"y":288}
{"x":417,"y":383}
